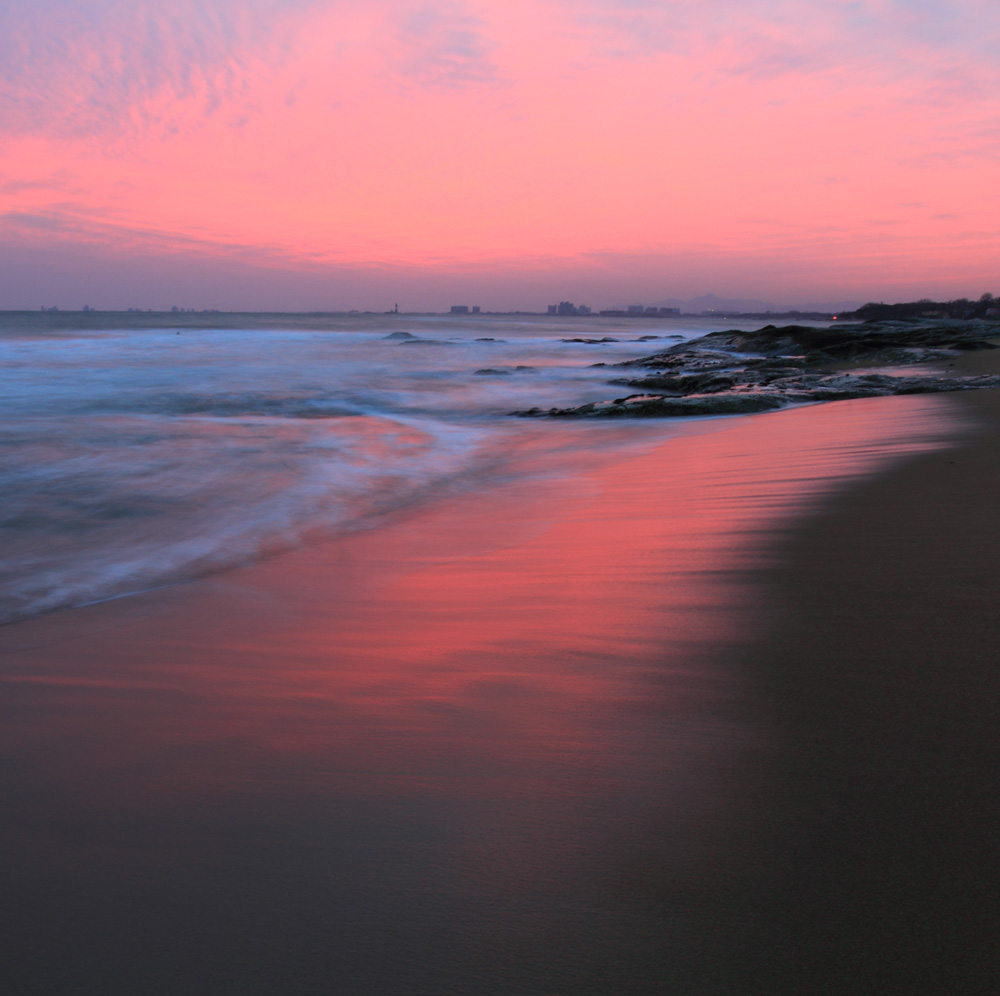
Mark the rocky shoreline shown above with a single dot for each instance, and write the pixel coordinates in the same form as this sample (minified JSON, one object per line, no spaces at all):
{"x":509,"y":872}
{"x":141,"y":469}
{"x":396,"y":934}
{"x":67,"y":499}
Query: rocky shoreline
{"x":737,"y":372}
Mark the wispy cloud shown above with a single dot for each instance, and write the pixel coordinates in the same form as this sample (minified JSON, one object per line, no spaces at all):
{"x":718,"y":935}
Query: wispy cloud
{"x":106,"y":66}
{"x":775,"y":37}
{"x":74,"y":225}
{"x":114,"y":67}
{"x":443,"y":46}
{"x":11,"y":188}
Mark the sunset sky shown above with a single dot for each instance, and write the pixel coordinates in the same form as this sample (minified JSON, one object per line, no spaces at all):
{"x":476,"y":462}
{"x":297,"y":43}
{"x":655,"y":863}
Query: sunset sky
{"x":328,"y":154}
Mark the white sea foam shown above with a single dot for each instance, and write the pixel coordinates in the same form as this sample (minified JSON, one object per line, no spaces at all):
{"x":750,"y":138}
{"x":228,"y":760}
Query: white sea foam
{"x":136,"y":457}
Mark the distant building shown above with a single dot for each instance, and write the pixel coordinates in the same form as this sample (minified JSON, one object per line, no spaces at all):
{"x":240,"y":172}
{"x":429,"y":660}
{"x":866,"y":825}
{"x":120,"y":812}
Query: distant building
{"x":459,"y":309}
{"x":568,"y":308}
{"x":475,"y":309}
{"x":640,"y":311}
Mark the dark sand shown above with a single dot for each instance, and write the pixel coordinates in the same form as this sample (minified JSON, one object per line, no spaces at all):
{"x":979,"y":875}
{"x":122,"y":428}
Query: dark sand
{"x":882,"y":674}
{"x":639,"y":732}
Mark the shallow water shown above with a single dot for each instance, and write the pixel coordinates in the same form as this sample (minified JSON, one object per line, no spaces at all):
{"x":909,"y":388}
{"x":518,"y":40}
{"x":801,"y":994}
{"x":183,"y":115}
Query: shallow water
{"x":142,"y":450}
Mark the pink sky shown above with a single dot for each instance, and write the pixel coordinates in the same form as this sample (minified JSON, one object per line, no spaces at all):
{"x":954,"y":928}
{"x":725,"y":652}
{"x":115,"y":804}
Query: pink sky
{"x":313,"y":154}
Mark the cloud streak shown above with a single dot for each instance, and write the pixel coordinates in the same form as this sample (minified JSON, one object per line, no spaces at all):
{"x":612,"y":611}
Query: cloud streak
{"x":108,"y":66}
{"x":444,"y":47}
{"x":881,"y":38}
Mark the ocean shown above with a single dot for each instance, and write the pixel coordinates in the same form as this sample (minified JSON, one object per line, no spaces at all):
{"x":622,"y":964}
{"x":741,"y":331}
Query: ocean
{"x":141,"y":450}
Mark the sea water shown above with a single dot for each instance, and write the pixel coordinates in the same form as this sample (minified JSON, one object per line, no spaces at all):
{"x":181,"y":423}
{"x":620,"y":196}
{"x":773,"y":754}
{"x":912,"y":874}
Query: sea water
{"x":140,"y":450}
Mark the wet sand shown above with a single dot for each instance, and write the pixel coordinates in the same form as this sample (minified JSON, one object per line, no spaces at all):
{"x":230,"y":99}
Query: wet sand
{"x":685,"y":724}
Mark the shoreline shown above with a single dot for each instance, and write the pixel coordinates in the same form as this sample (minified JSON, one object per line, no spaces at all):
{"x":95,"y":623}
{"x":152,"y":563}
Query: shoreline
{"x":516,"y":742}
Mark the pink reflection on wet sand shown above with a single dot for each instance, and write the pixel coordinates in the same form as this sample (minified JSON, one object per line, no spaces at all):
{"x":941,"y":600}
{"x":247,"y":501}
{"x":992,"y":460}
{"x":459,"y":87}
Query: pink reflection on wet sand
{"x":499,"y":631}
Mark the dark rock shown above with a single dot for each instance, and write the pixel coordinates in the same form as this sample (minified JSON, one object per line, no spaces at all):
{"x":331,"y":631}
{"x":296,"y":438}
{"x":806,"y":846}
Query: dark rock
{"x":737,"y":372}
{"x":886,"y":342}
{"x":644,"y":406}
{"x":972,"y":345}
{"x":691,"y":384}
{"x":684,"y":356}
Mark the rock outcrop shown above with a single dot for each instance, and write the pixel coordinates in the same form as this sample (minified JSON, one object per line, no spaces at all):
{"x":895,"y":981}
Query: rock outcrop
{"x":736,"y":372}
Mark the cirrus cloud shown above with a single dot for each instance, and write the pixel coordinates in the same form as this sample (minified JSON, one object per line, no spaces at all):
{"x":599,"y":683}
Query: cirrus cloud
{"x":86,"y":66}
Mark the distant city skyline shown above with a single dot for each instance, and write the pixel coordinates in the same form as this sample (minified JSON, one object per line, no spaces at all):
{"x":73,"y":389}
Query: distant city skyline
{"x":705,"y":305}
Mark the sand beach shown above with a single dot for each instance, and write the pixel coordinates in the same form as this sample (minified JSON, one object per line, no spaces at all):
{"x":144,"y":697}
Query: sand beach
{"x":880,"y":664}
{"x":715,"y":716}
